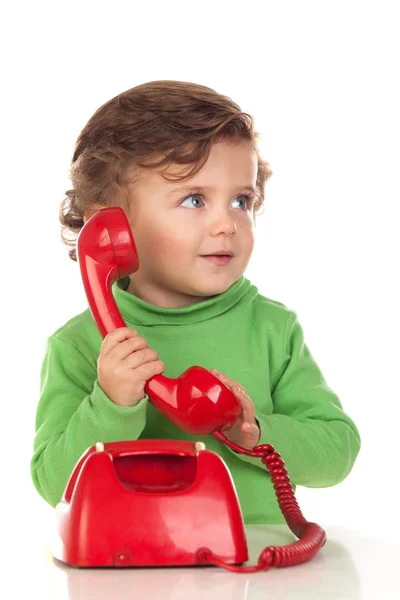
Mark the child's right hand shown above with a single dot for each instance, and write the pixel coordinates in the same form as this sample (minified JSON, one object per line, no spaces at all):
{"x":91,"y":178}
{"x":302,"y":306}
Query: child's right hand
{"x":125,"y":364}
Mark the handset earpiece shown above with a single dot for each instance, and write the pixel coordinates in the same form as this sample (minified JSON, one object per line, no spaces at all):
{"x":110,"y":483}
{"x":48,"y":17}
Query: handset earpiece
{"x":106,"y":252}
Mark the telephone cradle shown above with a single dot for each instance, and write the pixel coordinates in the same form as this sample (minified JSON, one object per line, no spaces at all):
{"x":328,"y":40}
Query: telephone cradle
{"x":164,"y":502}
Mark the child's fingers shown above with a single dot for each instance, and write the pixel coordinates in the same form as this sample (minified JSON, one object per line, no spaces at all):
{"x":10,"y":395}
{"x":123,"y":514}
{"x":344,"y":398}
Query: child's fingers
{"x":115,"y":337}
{"x":224,"y":378}
{"x":126,"y":348}
{"x":249,"y":413}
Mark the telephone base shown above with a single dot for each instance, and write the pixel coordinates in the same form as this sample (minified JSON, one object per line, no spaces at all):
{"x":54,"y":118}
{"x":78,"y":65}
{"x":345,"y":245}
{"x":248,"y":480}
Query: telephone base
{"x":149,"y":503}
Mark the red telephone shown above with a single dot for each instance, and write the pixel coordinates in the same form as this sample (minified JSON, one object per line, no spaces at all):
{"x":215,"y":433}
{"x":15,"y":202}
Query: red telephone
{"x":142,"y":502}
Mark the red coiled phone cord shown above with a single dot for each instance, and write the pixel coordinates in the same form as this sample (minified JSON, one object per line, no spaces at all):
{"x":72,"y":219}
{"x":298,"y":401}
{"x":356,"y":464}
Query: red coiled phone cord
{"x":312,"y":536}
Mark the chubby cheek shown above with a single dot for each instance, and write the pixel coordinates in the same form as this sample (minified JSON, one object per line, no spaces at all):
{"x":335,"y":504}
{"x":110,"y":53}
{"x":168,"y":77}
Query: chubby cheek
{"x":160,"y":244}
{"x":245,"y":242}
{"x":250,"y":242}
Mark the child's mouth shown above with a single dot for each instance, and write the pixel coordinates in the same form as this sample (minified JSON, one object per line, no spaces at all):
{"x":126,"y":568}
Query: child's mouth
{"x":218,"y":259}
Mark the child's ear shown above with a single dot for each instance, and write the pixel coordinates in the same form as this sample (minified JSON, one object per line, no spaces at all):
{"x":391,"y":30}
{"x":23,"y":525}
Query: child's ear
{"x":91,"y":210}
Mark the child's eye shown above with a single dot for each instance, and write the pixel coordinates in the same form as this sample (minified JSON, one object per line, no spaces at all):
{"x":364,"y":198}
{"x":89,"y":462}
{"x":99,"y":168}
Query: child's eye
{"x":248,"y":198}
{"x":191,"y":196}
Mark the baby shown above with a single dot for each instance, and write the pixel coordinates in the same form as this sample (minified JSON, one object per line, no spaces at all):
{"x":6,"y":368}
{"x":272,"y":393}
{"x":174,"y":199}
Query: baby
{"x":182,"y":161}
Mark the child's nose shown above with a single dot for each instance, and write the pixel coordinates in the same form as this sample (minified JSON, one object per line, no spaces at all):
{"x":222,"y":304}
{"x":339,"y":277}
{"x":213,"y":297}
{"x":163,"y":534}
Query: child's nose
{"x":225,"y":223}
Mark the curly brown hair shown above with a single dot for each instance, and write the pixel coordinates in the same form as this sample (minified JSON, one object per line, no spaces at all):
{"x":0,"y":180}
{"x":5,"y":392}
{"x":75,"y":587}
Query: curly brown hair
{"x":174,"y":121}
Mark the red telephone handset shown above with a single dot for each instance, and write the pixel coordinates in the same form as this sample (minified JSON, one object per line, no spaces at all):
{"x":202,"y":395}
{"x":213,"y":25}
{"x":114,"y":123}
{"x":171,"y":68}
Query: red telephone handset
{"x":197,"y":401}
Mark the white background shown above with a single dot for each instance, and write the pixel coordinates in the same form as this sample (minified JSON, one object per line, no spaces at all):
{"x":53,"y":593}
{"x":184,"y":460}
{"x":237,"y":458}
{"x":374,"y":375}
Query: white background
{"x":322,"y":82}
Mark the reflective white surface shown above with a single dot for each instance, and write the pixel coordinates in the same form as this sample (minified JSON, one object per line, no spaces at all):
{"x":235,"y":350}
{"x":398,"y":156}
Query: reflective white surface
{"x":351,"y":565}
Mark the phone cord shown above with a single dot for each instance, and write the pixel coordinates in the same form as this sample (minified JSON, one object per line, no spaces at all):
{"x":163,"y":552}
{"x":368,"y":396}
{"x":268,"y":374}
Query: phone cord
{"x":312,"y":536}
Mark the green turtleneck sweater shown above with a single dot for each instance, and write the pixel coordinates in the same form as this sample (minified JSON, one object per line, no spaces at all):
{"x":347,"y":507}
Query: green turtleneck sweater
{"x":257,"y":341}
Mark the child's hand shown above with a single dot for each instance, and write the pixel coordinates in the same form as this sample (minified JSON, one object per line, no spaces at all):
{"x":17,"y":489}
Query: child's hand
{"x":125,"y":364}
{"x":245,"y":431}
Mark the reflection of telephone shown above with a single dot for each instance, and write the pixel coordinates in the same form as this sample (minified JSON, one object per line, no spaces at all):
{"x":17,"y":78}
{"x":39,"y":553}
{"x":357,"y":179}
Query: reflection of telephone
{"x":163,"y":502}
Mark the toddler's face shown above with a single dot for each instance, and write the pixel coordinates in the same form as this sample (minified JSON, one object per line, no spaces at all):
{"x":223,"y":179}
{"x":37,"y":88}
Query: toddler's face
{"x":175,"y":224}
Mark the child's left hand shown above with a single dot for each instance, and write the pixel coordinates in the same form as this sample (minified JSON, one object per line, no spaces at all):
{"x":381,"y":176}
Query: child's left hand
{"x":245,"y":431}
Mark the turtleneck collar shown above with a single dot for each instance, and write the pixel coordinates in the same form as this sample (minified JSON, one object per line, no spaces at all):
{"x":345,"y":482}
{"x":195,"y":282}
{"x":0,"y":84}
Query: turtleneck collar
{"x":136,"y":310}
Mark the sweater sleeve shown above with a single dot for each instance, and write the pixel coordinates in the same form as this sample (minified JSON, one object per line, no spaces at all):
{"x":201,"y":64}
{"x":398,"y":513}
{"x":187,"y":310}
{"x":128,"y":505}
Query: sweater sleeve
{"x":74,"y":413}
{"x":316,"y":439}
